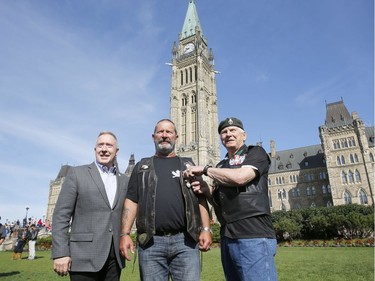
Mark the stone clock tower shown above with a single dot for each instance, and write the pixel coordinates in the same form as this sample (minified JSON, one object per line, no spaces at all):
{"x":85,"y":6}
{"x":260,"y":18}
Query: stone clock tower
{"x":193,"y":103}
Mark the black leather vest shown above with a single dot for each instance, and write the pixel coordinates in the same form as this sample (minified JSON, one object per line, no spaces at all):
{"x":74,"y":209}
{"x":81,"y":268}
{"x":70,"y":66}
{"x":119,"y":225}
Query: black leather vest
{"x":146,"y":201}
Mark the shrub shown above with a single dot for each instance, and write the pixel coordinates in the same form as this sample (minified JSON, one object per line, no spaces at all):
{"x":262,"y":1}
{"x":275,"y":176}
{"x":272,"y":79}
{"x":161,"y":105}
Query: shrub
{"x":44,"y":243}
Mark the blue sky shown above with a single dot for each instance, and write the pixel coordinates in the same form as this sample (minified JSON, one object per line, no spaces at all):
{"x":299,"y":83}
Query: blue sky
{"x":69,"y":69}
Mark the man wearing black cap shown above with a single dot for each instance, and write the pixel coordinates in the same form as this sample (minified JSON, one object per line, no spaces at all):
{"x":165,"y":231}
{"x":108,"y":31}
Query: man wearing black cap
{"x":240,"y":199}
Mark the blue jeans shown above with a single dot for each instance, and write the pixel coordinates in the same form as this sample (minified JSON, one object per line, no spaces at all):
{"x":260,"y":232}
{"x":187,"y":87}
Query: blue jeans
{"x":248,"y":259}
{"x":175,"y":255}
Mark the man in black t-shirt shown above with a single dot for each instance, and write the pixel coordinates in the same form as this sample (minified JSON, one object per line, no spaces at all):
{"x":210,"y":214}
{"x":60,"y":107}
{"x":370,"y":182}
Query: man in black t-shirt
{"x":240,"y":199}
{"x":172,"y":221}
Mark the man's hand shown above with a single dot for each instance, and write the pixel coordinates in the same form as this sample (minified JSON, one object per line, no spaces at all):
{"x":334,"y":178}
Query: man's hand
{"x":62,"y":265}
{"x":126,"y":244}
{"x":205,"y":241}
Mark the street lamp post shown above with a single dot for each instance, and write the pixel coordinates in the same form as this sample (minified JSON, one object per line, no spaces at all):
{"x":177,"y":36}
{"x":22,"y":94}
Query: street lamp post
{"x":27,"y":210}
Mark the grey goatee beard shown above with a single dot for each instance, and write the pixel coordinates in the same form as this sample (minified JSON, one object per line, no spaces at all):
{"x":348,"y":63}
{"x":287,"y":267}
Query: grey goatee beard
{"x":164,"y":150}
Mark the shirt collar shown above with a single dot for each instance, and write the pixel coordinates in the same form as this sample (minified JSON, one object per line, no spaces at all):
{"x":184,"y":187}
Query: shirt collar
{"x":105,"y":169}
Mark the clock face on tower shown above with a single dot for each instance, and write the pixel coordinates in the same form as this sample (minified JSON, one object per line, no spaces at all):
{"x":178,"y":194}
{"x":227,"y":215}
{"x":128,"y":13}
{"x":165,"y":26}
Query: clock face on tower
{"x":189,"y":48}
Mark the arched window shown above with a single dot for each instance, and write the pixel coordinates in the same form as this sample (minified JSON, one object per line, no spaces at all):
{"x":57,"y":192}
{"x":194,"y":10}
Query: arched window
{"x":357,"y":176}
{"x":351,"y":176}
{"x":269,"y":182}
{"x":324,"y":189}
{"x":184,"y":101}
{"x":356,"y":158}
{"x":347,"y":198}
{"x":338,"y":161}
{"x":351,"y":158}
{"x":193,"y":98}
{"x":336,"y":144}
{"x":182,"y":77}
{"x":186,"y":76}
{"x":298,"y":192}
{"x":343,"y":177}
{"x":351,"y":141}
{"x":342,"y":160}
{"x":344,"y":143}
{"x":363,"y":197}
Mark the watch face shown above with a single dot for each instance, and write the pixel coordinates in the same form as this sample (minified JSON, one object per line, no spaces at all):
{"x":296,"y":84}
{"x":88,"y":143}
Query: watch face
{"x":188,"y":48}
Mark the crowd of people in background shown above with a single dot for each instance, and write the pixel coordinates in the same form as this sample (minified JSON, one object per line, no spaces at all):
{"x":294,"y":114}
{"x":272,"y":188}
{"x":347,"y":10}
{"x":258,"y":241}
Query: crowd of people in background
{"x":24,"y":233}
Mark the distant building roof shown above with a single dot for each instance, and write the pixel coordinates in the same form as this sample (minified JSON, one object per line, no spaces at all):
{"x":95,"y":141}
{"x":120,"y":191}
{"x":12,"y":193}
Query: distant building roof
{"x":63,"y":172}
{"x":297,"y":159}
{"x":370,"y":136}
{"x":337,"y":115}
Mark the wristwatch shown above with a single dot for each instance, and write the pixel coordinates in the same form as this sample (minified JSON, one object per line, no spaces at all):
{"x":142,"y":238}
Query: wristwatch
{"x":205,"y":169}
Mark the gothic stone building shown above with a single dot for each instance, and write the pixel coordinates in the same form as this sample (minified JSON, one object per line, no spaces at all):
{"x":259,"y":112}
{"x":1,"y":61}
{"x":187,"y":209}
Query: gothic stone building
{"x":338,"y":171}
{"x":193,"y":101}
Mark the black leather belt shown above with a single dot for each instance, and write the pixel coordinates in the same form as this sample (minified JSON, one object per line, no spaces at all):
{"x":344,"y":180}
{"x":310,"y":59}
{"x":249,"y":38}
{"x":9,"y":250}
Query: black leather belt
{"x":168,"y":233}
{"x":241,"y":189}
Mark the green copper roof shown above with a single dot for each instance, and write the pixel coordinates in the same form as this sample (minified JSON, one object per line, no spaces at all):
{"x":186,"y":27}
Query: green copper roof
{"x":191,"y":21}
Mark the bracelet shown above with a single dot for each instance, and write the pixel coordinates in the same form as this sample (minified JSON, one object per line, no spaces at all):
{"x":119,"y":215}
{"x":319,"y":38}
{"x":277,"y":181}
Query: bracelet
{"x":205,"y":169}
{"x":125,"y":234}
{"x":208,"y":229}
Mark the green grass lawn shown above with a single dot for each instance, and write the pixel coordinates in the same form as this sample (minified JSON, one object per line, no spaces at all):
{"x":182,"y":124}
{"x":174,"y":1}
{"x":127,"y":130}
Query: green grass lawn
{"x":294,"y":263}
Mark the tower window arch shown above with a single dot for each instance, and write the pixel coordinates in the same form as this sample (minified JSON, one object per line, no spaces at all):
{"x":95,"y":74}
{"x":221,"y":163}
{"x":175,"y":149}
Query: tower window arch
{"x":191,"y":74}
{"x":184,"y":100}
{"x":193,"y":98}
{"x":186,"y":76}
{"x":182,"y":77}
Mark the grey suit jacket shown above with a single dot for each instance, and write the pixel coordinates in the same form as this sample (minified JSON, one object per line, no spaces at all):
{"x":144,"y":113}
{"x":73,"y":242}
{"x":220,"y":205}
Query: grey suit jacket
{"x":84,"y":223}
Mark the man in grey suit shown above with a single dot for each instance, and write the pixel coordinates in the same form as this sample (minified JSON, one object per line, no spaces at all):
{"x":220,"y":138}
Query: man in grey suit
{"x":87,"y":217}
